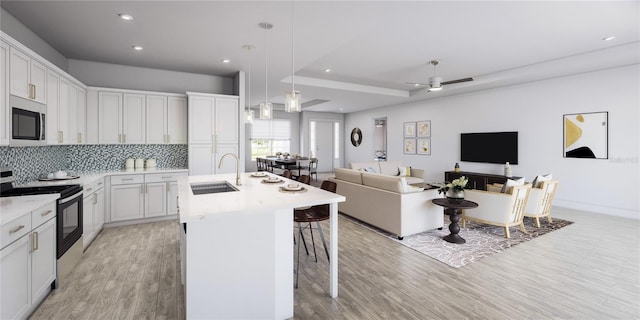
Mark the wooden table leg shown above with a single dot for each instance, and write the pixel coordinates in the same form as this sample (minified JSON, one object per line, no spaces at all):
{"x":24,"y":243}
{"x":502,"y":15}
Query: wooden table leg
{"x":454,"y":228}
{"x":333,"y":262}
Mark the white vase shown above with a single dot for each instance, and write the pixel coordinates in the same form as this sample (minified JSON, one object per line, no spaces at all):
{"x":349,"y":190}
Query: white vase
{"x":455,"y":196}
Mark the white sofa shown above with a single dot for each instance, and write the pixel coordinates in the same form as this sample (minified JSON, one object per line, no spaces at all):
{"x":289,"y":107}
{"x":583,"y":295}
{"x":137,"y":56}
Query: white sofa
{"x":389,"y":168}
{"x":388,"y":202}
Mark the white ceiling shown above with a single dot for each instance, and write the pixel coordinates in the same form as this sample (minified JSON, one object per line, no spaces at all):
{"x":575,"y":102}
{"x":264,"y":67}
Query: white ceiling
{"x":372,"y":47}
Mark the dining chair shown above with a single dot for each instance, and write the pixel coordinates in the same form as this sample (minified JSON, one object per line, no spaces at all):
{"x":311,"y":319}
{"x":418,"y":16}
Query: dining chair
{"x":315,"y":214}
{"x":302,"y":164}
{"x":287,"y":174}
{"x":313,"y":168}
{"x":306,"y":179}
{"x":260,"y":164}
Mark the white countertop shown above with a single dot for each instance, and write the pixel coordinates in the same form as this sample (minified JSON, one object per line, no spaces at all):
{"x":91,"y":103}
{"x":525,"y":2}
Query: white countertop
{"x":253,"y":195}
{"x":90,"y":177}
{"x":12,"y":208}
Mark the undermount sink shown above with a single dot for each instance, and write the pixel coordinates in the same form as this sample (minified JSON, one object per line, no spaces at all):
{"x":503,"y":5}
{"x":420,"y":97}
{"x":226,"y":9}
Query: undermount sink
{"x":212,"y":187}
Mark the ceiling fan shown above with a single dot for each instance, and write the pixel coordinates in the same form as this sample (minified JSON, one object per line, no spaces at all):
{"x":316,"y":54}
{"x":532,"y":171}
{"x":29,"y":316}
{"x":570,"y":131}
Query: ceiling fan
{"x":435,"y":82}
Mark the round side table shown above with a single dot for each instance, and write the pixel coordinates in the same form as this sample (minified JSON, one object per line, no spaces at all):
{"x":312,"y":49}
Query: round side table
{"x":454,"y":210}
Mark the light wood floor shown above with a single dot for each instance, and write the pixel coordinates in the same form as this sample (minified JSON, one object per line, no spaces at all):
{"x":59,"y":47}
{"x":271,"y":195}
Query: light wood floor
{"x":588,"y":270}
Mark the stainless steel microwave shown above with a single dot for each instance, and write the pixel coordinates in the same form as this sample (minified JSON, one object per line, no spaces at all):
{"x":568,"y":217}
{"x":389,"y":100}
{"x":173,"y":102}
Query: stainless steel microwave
{"x":28,"y":123}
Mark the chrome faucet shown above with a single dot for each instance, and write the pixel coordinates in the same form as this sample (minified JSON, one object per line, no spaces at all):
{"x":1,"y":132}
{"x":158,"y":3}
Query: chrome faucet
{"x":237,"y":166}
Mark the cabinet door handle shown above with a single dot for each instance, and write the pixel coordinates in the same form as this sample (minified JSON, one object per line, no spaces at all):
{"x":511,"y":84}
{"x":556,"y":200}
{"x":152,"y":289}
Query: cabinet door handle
{"x":16,"y":229}
{"x":59,"y":136}
{"x":95,"y":198}
{"x":79,"y":137}
{"x":35,"y":241}
{"x":168,"y":138}
{"x":166,"y":177}
{"x":89,"y":189}
{"x":127,"y":179}
{"x":34,"y":91}
{"x":124,"y":138}
{"x":46,"y":213}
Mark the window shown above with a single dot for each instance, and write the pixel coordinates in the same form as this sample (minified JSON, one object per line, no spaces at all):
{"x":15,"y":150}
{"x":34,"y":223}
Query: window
{"x":269,"y":137}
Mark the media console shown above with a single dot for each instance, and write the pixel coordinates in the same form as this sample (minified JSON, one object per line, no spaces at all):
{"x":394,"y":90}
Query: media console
{"x":477,"y":181}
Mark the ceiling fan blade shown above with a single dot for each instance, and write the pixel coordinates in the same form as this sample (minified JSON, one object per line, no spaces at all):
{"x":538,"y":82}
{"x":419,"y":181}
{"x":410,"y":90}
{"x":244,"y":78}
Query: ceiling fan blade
{"x":456,"y":81}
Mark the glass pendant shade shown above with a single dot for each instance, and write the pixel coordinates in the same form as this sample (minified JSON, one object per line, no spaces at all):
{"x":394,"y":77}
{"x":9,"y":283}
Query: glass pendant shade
{"x":292,"y":102}
{"x":249,"y":116}
{"x":266,"y":109}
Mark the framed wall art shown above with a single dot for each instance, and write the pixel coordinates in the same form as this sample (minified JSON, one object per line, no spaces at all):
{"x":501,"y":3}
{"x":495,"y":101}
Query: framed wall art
{"x":424,"y":146}
{"x":409,"y":129}
{"x":424,"y":129}
{"x":586,"y":135}
{"x":409,"y":146}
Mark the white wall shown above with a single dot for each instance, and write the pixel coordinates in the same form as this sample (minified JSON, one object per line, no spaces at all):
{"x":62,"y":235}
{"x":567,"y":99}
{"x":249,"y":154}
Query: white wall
{"x":536,"y":111}
{"x":99,"y":74}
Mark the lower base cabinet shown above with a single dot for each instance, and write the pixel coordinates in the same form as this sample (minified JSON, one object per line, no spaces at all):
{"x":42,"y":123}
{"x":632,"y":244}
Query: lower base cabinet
{"x":143,"y":195}
{"x":27,"y":269}
{"x":92,"y":212}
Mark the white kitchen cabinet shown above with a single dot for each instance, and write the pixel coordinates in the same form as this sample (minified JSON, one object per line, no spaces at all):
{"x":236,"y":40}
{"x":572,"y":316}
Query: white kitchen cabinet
{"x":177,"y":120}
{"x":155,"y":202}
{"x":121,"y":118}
{"x":127,"y":202}
{"x":15,"y":274}
{"x":67,"y":117}
{"x":88,"y":230}
{"x":172,"y":198}
{"x":93,"y":212}
{"x":27,"y":77}
{"x":214,"y":124}
{"x":98,"y":209}
{"x":54,"y":134}
{"x":156,"y":119}
{"x":81,"y":116}
{"x":43,"y":260}
{"x":4,"y":94}
{"x":27,"y":261}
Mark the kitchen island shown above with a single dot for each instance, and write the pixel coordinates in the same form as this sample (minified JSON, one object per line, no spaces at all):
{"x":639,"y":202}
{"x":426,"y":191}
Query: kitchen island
{"x":236,"y":247}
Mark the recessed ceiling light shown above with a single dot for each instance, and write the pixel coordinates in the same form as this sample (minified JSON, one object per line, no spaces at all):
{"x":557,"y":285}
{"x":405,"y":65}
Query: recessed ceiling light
{"x":225,"y":60}
{"x":416,"y":84}
{"x":137,"y":48}
{"x":125,"y":16}
{"x":608,"y":38}
{"x":327,"y":70}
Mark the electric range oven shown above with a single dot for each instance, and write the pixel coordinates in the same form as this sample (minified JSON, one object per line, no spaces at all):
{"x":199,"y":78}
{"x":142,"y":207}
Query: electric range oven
{"x":68,"y":219}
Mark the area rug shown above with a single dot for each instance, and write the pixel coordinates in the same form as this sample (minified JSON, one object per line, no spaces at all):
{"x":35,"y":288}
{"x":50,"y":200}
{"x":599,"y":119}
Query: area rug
{"x":482,"y":240}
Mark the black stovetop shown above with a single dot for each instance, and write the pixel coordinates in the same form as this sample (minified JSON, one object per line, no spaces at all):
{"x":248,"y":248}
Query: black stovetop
{"x":63,"y":190}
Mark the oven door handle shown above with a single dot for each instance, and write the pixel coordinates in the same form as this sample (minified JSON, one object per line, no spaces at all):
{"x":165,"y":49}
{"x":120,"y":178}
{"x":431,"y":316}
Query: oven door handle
{"x":71,"y":198}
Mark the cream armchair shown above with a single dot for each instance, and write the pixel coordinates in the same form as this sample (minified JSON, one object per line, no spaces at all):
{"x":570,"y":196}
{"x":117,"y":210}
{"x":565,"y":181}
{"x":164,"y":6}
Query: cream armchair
{"x":540,"y":200}
{"x":499,"y":209}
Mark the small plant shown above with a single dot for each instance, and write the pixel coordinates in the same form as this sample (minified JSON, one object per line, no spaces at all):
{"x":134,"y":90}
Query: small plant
{"x":456,"y":185}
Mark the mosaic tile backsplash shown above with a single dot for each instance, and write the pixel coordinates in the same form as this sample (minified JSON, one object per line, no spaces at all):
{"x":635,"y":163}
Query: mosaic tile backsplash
{"x":30,"y":163}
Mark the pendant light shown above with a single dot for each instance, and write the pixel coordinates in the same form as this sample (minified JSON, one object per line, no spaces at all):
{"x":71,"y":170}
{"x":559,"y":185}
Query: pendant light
{"x":248,"y":111}
{"x":293,"y":98}
{"x":266,"y":108}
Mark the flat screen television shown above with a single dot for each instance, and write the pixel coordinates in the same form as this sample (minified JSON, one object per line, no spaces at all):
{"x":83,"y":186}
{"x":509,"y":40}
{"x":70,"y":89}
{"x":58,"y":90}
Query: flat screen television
{"x":489,"y":147}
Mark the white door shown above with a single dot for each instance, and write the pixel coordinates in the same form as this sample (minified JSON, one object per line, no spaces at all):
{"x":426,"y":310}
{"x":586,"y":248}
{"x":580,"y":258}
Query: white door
{"x":127,"y":202}
{"x":109,"y":118}
{"x":156,"y":119}
{"x":43,"y":259}
{"x":19,"y":73}
{"x":324,"y":145}
{"x":201,"y":120}
{"x":15,"y":270}
{"x":134,"y":118}
{"x":155,"y":202}
{"x":177,"y":120}
{"x":200,"y":159}
{"x":53,"y":87}
{"x":38,"y":79}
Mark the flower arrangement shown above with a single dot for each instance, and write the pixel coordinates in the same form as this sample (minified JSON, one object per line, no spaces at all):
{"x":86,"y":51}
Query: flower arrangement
{"x":278,"y":154}
{"x":456,"y":185}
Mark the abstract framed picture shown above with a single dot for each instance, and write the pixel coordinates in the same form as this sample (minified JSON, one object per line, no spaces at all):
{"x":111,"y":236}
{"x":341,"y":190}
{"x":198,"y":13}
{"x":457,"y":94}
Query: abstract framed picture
{"x":409,"y":146}
{"x":409,"y":129}
{"x":586,"y":135}
{"x":424,"y":146}
{"x":424,"y":129}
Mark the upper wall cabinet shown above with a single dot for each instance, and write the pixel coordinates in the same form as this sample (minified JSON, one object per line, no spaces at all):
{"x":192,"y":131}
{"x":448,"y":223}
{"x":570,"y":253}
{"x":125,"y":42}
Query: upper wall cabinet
{"x":71,"y":113}
{"x":121,"y":118}
{"x":28,"y":77}
{"x":213,"y":119}
{"x":166,"y":119}
{"x":4,"y":94}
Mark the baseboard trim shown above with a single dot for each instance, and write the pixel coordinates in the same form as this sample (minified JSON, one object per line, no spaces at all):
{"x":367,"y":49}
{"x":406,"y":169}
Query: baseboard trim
{"x":139,"y":221}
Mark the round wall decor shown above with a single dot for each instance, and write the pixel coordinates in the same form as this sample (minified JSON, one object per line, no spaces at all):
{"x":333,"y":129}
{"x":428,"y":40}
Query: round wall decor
{"x":356,"y":137}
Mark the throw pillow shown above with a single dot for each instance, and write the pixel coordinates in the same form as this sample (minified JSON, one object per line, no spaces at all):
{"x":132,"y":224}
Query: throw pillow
{"x":370,"y":169}
{"x":404,"y":171}
{"x":508,"y":187}
{"x":537,"y":182}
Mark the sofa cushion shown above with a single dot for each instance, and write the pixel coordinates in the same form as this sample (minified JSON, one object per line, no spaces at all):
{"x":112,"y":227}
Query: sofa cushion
{"x":389,"y":168}
{"x":393,"y":184}
{"x":412,"y":180}
{"x":508,"y":187}
{"x":364,"y":165}
{"x":349,"y":175}
{"x":404,"y":171}
{"x":537,"y":182}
